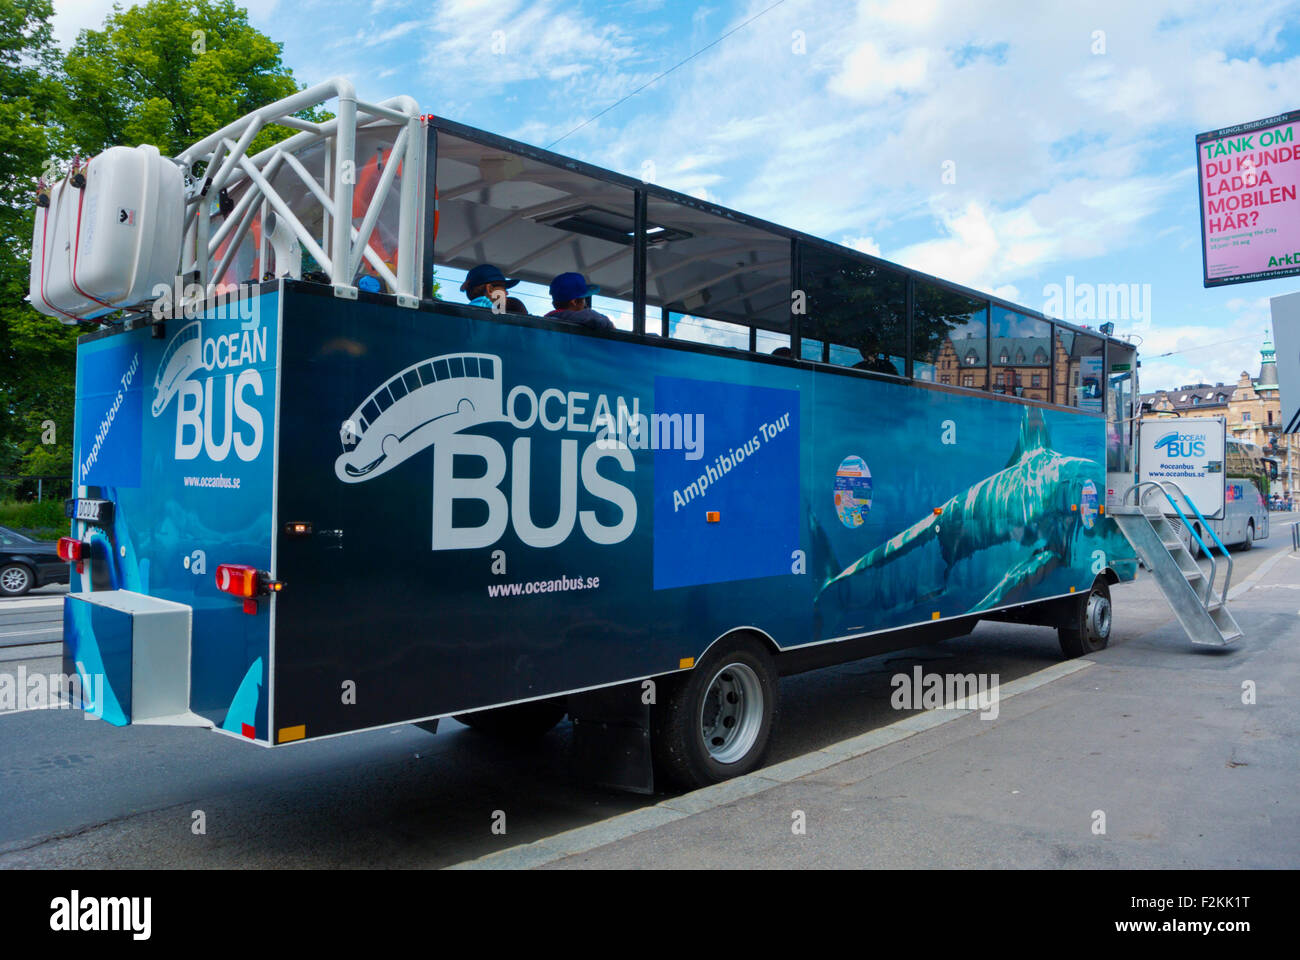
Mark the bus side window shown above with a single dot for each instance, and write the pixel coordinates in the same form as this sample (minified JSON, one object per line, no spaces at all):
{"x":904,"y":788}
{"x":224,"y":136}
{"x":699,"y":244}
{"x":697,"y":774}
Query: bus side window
{"x":1077,"y":370}
{"x":949,"y":337}
{"x":858,"y":307}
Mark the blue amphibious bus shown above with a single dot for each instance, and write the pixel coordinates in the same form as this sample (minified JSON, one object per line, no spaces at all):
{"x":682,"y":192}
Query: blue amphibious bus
{"x":795,"y":455}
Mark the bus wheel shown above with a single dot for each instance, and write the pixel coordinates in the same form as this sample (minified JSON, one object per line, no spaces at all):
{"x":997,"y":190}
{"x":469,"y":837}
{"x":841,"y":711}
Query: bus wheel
{"x":715,"y":722}
{"x":1089,"y":628}
{"x":1250,"y":536}
{"x":518,"y":722}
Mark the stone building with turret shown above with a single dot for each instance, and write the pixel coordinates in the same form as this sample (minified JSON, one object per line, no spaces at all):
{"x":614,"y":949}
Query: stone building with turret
{"x":1253,"y":410}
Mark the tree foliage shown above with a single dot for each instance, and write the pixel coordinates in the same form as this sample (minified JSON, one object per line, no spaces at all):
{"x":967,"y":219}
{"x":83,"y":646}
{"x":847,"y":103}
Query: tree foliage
{"x":168,"y":73}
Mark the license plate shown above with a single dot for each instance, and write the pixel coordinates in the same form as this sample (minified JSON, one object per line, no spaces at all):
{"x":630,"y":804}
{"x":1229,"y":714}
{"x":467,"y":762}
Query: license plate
{"x":91,"y":511}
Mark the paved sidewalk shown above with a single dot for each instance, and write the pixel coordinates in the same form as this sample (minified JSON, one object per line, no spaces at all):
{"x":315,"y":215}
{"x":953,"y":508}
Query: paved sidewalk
{"x":1150,"y":734}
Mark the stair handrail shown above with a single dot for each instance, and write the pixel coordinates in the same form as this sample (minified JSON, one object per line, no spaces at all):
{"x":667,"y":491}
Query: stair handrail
{"x":1204,"y":524}
{"x":1140,"y":499}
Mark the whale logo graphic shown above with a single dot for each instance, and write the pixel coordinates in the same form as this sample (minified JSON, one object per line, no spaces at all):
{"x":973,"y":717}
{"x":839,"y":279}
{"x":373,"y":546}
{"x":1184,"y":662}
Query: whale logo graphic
{"x":183,"y":356}
{"x":427,"y":401}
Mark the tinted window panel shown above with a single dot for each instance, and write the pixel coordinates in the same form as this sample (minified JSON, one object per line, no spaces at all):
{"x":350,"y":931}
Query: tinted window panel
{"x":383,"y":399}
{"x":370,"y":412}
{"x":858,"y":307}
{"x":1078,"y":370}
{"x":950,"y":336}
{"x":471,"y":366}
{"x":426,"y":373}
{"x":412,"y":380}
{"x":485,"y":367}
{"x":397,"y":388}
{"x":1021,"y":355}
{"x":441,"y":369}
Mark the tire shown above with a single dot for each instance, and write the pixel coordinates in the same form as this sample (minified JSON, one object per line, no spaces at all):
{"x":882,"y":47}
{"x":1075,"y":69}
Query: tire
{"x":519,"y":723}
{"x":1089,"y":628}
{"x":1193,"y":547}
{"x":715,"y":722}
{"x":1249,"y":542}
{"x":15,"y":580}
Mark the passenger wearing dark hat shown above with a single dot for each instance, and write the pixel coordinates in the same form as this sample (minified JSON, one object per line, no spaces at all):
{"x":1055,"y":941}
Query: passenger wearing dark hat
{"x":571,"y":297}
{"x":486,"y":286}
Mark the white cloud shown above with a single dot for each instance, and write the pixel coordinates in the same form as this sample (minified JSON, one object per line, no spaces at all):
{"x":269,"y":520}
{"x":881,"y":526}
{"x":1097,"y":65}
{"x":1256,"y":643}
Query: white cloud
{"x":871,"y":74}
{"x":73,"y":16}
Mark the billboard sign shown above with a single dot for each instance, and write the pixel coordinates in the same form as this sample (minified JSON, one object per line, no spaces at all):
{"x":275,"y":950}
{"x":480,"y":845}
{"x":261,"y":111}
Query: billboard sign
{"x":1189,"y":452}
{"x":1249,"y":177}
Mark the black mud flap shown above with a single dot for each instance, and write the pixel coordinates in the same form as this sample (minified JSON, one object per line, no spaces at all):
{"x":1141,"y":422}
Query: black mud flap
{"x":611,"y":738}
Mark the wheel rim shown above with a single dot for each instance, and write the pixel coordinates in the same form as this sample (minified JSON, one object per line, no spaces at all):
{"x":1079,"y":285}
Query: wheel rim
{"x":13,"y":579}
{"x":1099,"y":616}
{"x":731,"y":714}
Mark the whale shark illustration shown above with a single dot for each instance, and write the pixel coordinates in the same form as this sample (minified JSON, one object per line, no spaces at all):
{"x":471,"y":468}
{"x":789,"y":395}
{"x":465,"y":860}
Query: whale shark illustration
{"x":1027,"y":505}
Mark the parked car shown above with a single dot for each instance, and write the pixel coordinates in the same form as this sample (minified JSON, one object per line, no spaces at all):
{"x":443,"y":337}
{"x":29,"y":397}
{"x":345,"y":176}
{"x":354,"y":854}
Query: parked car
{"x":26,"y":563}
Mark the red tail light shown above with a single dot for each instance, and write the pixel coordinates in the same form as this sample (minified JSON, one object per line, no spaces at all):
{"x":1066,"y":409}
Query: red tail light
{"x":70,"y":549}
{"x":237,"y":579}
{"x":245,"y":582}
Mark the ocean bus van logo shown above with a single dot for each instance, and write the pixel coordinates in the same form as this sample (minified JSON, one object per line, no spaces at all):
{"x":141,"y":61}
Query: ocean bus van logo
{"x":183,"y":356}
{"x":208,"y":420}
{"x":1177,"y":444}
{"x":426,"y":402}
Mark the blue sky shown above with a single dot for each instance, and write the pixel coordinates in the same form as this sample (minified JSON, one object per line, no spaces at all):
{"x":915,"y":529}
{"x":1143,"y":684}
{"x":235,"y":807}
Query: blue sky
{"x":1005,"y":145}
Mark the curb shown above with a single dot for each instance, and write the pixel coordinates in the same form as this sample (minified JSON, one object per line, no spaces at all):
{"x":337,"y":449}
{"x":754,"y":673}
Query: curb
{"x":582,"y":839}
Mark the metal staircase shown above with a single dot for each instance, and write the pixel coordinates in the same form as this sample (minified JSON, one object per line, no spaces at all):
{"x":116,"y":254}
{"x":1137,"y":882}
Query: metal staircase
{"x":1202,"y":611}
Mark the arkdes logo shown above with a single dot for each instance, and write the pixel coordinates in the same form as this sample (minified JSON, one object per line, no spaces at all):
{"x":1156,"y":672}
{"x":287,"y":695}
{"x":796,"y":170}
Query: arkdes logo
{"x":431,"y":402}
{"x":1177,"y":444}
{"x":215,"y":414}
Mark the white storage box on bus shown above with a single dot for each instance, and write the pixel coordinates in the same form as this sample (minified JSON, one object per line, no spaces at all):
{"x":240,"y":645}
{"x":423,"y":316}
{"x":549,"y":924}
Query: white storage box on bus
{"x":109,"y":243}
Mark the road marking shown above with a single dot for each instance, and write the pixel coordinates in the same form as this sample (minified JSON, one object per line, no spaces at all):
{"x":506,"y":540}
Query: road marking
{"x":549,"y":849}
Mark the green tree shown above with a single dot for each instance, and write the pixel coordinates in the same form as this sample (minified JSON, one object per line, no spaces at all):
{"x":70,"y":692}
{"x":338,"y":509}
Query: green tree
{"x":168,"y":73}
{"x":36,"y":352}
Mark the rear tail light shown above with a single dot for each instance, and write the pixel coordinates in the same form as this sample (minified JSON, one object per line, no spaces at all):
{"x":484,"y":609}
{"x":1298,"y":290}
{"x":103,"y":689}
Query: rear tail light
{"x":70,"y":549}
{"x":247,"y":583}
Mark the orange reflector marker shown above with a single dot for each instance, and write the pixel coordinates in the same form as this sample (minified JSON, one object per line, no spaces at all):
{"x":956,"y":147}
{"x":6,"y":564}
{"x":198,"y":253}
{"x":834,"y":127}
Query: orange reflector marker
{"x":712,"y":516}
{"x":1101,"y":508}
{"x":297,"y":528}
{"x":935,"y":615}
{"x":1072,"y":589}
{"x":686,"y":663}
{"x":938,"y":510}
{"x":292,"y":733}
{"x":1074,"y":507}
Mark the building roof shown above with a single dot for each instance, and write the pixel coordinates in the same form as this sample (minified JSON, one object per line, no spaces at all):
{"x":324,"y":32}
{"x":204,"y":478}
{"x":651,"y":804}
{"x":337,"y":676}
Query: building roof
{"x":1197,"y":395}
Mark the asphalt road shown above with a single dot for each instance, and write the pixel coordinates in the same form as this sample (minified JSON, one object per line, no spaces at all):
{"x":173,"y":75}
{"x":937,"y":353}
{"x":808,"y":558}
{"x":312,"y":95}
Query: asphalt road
{"x":78,"y":792}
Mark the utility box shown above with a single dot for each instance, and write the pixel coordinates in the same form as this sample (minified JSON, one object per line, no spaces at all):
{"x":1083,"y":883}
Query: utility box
{"x":110,"y":234}
{"x":132,"y":653}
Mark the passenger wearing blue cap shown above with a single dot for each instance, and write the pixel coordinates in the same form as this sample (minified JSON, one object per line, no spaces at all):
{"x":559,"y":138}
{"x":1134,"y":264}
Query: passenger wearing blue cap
{"x":486,"y":286}
{"x":571,"y":296}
